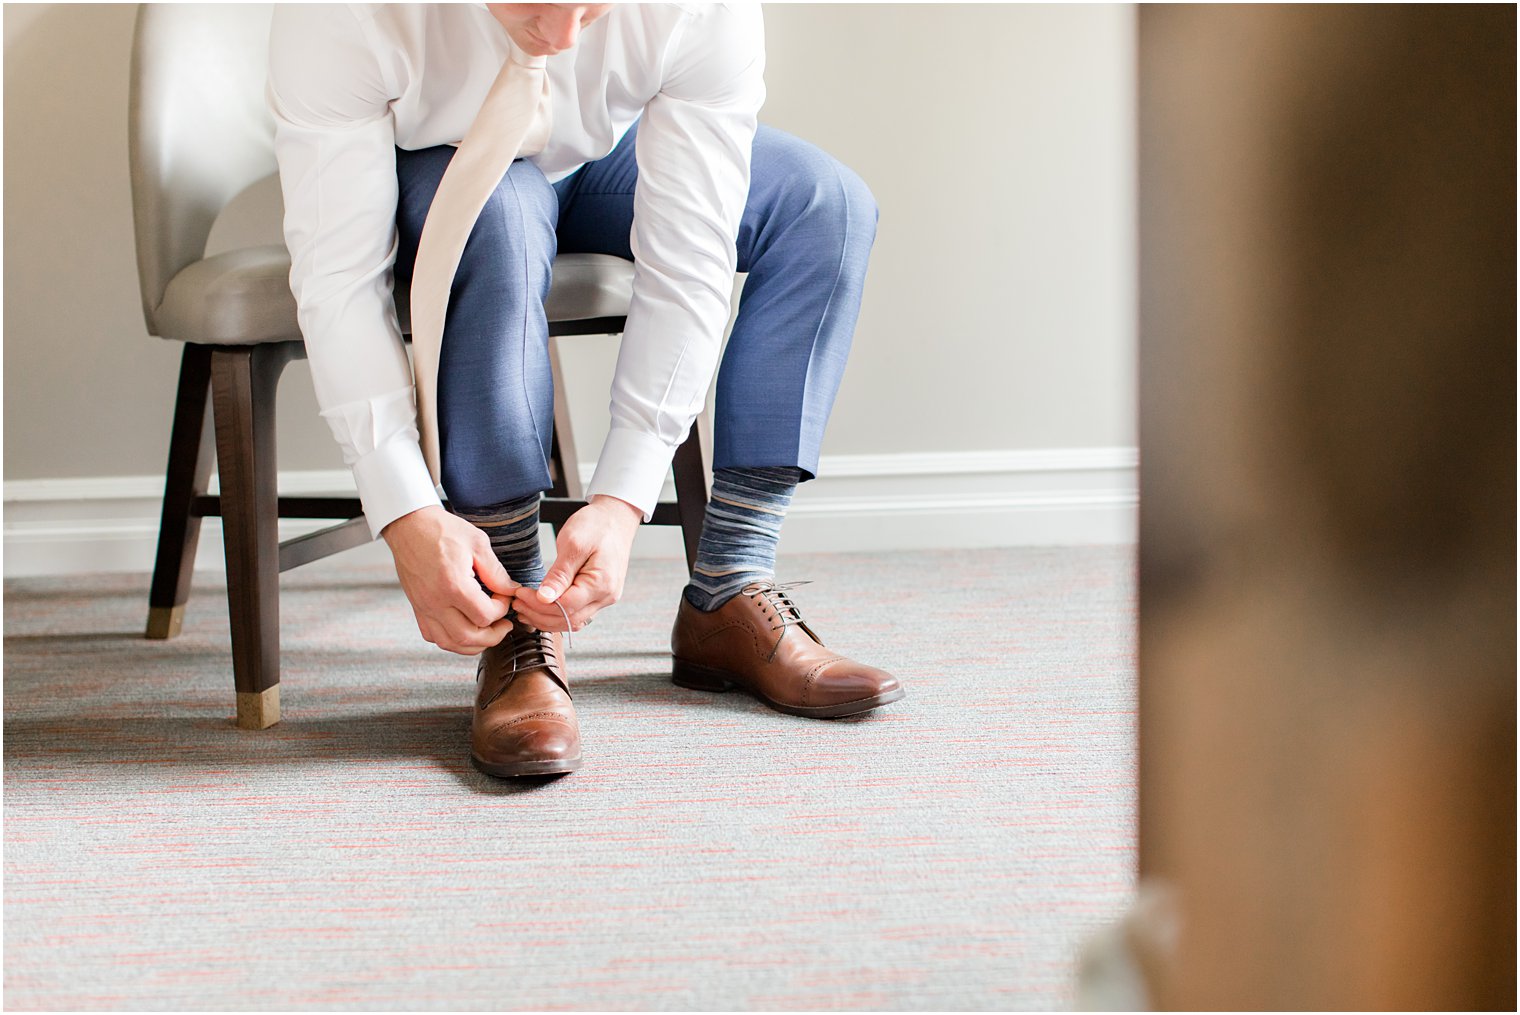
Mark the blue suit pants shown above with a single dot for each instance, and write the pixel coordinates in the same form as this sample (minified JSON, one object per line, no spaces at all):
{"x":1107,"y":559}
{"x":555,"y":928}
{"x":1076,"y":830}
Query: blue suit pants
{"x":804,"y":240}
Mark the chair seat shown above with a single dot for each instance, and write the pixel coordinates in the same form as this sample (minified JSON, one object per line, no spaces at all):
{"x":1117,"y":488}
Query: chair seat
{"x":242,"y":297}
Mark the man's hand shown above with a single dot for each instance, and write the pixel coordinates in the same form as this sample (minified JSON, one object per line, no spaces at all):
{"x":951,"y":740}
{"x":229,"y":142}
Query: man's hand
{"x":437,"y":557}
{"x":590,"y":563}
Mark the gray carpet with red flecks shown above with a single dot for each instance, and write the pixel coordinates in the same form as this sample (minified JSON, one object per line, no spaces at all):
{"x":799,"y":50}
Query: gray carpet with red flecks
{"x":950,"y":851}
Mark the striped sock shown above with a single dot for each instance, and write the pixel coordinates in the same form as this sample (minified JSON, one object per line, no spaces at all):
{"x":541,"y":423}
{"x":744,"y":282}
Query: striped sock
{"x":739,"y":532}
{"x":513,"y":529}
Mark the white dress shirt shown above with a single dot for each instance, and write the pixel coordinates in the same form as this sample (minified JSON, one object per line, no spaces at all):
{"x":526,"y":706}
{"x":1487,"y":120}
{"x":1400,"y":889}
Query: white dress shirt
{"x":349,"y":83}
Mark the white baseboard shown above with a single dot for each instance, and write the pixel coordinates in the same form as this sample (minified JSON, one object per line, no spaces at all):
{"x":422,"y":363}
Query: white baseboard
{"x":947,"y":500}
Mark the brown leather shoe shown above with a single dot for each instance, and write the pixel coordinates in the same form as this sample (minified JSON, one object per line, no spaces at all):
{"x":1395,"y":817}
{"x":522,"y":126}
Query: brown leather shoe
{"x":759,"y":642}
{"x":524,"y":721}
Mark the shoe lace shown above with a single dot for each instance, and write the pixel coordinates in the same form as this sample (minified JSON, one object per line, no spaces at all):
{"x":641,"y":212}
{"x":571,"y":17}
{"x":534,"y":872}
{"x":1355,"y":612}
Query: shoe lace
{"x":776,"y":597}
{"x":532,"y":648}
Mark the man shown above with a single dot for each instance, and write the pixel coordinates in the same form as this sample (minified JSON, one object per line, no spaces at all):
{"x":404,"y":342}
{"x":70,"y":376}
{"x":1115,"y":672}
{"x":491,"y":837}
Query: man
{"x":653,"y":153}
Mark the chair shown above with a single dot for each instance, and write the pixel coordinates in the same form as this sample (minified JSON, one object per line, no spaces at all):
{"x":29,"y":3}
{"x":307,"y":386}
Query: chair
{"x":199,"y":133}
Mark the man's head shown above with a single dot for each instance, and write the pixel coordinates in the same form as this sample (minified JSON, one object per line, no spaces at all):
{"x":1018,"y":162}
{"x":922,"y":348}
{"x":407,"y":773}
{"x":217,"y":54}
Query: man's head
{"x":546,"y":29}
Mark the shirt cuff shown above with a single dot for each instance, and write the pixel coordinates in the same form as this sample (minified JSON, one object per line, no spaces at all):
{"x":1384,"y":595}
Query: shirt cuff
{"x":632,"y":467}
{"x":393,"y":480}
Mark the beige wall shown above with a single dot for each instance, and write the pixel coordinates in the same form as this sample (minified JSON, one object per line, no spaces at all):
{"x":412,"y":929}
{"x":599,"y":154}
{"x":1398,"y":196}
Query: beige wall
{"x":998,"y":315}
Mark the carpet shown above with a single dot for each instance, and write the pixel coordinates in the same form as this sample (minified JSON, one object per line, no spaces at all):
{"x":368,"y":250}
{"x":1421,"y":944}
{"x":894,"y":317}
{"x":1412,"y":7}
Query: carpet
{"x":950,"y":851}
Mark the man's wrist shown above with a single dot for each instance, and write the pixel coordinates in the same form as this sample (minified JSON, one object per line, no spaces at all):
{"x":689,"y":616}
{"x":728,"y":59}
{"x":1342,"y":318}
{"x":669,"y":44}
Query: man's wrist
{"x":393,"y":481}
{"x":618,"y":506}
{"x":401,"y":524}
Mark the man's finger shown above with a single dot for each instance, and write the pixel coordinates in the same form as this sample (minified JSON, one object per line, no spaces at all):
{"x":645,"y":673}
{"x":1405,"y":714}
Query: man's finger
{"x":545,"y":618}
{"x":457,"y":630}
{"x":491,"y":571}
{"x":548,"y":618}
{"x":566,"y":566}
{"x":475,"y":607}
{"x":467,"y":637}
{"x":582,"y":593}
{"x":427,"y":629}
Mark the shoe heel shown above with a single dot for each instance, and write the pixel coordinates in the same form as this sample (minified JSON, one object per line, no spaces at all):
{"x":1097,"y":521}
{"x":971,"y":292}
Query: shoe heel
{"x":698,"y":678}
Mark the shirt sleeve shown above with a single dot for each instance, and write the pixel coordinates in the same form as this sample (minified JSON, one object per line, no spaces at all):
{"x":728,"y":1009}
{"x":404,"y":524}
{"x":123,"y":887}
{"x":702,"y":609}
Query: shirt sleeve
{"x":693,"y":152}
{"x":335,"y":145}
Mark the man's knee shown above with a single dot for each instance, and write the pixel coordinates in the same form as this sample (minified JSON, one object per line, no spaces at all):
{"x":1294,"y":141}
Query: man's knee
{"x":516,"y":223}
{"x":505,"y":269}
{"x":818,"y":189}
{"x":860,"y":211}
{"x":518,"y":218}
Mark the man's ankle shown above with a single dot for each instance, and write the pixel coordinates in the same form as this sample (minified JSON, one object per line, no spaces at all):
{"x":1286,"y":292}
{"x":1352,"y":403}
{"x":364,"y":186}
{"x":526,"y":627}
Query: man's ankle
{"x":512,"y":528}
{"x":708,"y":597}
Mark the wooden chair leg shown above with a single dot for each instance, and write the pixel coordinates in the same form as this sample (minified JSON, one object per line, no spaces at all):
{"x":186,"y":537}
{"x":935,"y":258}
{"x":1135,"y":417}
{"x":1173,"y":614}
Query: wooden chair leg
{"x":185,"y":478}
{"x":563,"y":460}
{"x":692,"y":490}
{"x":567,"y":480}
{"x":243,"y":384}
{"x":692,"y":464}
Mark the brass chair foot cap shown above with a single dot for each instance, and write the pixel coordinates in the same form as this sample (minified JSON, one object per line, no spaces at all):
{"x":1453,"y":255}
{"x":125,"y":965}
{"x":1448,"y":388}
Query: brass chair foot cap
{"x":165,"y":622}
{"x":258,"y":710}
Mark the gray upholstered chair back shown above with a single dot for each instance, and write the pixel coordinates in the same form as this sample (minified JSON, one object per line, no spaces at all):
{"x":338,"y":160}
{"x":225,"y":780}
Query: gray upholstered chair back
{"x":198,"y":129}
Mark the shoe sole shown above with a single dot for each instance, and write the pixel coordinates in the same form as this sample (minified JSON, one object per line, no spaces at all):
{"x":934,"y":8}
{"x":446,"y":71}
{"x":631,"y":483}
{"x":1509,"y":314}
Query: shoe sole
{"x":705,"y":678}
{"x":513,"y":769}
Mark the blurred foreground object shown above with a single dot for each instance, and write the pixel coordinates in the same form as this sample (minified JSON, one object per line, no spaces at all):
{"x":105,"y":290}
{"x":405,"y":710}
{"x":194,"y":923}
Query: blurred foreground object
{"x":1327,"y":583}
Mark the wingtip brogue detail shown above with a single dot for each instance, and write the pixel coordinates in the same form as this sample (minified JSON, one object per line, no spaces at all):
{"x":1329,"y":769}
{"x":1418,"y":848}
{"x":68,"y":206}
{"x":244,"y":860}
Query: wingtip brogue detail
{"x":759,"y":642}
{"x":524,"y":721}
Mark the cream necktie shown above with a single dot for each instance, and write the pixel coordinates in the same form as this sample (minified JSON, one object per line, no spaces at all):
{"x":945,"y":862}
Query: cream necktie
{"x":514,"y":121}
